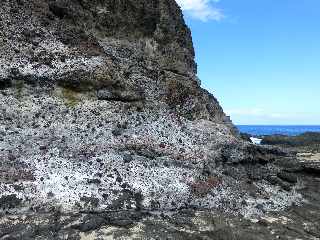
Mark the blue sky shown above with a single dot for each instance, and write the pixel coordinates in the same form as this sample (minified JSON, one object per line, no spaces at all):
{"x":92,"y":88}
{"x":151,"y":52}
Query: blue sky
{"x":261,"y":59}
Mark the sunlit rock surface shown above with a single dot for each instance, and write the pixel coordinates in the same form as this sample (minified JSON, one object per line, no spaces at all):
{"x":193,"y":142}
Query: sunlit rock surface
{"x":101,"y":111}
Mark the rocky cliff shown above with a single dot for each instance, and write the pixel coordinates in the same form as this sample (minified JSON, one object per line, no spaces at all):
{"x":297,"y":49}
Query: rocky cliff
{"x":127,"y":51}
{"x":101,"y":110}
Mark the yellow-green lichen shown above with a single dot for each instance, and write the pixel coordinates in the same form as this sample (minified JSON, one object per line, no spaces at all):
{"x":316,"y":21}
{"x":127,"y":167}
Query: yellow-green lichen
{"x":19,"y":85}
{"x":70,"y":97}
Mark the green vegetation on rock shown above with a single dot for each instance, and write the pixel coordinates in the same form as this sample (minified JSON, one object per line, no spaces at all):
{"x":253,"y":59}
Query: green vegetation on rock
{"x":70,"y":97}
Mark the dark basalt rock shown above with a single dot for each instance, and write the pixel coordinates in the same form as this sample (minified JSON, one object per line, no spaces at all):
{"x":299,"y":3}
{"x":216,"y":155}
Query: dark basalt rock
{"x":5,"y":83}
{"x":311,"y":167}
{"x":60,"y":9}
{"x":246,"y":137}
{"x":305,"y":139}
{"x":120,"y":95}
{"x":288,"y":177}
{"x":90,"y":223}
{"x":10,"y":201}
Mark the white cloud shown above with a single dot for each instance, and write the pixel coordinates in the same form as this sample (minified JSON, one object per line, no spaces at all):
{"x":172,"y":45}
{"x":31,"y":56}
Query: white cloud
{"x":252,"y":116}
{"x":258,"y":113}
{"x":201,"y":9}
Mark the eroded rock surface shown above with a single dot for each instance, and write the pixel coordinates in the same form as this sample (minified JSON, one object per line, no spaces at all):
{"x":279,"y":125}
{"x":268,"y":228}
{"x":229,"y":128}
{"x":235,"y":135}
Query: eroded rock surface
{"x":101,"y":111}
{"x":298,"y":222}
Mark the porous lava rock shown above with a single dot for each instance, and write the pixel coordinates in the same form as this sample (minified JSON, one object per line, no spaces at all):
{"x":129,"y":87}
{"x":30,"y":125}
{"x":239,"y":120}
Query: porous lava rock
{"x":101,"y":110}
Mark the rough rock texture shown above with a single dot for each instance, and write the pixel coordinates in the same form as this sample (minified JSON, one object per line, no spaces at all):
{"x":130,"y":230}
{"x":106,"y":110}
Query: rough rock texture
{"x":308,"y":139}
{"x":101,"y":110}
{"x":299,"y":222}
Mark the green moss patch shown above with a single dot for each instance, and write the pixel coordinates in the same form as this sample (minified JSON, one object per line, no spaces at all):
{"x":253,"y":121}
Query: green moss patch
{"x":70,"y":97}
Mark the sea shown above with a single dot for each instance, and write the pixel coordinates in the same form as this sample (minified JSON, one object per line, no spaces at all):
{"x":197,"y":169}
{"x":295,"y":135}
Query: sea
{"x":290,"y":130}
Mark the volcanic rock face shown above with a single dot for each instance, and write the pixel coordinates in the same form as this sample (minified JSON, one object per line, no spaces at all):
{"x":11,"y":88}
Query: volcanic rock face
{"x":100,"y":108}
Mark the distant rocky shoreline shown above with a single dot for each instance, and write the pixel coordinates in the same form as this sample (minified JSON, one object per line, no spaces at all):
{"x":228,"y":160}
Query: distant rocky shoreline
{"x":305,"y":146}
{"x":308,"y":140}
